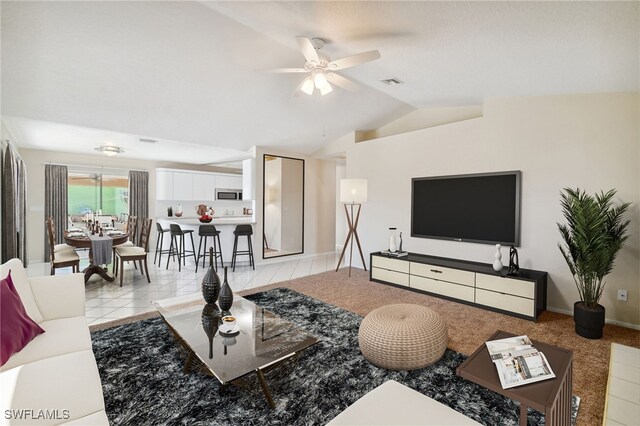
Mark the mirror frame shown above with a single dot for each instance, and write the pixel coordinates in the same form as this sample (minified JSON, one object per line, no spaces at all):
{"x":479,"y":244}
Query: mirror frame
{"x":264,"y":185}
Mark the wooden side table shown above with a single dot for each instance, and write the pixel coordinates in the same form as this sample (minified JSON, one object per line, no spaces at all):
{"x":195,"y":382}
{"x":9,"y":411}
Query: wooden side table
{"x":552,"y":397}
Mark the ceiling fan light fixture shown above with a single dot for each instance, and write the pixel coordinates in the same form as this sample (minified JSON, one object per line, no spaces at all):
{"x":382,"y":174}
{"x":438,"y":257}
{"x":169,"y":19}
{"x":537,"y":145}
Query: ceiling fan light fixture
{"x":319,"y":79}
{"x":307,"y":86}
{"x":326,"y":89}
{"x":110,"y":150}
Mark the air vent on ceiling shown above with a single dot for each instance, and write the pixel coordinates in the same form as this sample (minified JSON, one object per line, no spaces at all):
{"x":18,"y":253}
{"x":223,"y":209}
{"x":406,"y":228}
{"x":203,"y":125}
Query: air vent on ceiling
{"x":391,"y":81}
{"x":147,"y":140}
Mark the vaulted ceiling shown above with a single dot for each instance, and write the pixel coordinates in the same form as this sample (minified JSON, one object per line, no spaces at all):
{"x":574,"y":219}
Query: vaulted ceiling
{"x":185,"y":72}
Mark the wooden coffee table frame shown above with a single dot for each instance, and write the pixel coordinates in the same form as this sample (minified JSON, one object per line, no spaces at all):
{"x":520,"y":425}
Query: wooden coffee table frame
{"x":552,"y":397}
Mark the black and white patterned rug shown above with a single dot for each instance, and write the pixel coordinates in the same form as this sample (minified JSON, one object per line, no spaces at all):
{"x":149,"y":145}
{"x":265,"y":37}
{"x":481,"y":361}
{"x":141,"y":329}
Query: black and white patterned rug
{"x":141,"y":370}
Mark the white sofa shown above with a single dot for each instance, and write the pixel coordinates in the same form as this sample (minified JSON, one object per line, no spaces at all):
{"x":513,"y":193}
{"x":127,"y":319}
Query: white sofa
{"x":393,"y":403}
{"x":54,"y":379}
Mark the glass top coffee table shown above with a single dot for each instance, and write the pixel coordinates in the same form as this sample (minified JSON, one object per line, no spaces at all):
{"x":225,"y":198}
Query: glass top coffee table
{"x":265,"y":340}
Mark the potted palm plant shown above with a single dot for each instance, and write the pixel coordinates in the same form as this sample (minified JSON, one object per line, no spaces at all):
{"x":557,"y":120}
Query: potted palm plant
{"x":594,"y":233}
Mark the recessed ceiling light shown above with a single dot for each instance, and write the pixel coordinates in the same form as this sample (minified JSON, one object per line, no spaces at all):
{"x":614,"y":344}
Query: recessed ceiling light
{"x":147,"y":140}
{"x":110,"y":150}
{"x":392,"y":81}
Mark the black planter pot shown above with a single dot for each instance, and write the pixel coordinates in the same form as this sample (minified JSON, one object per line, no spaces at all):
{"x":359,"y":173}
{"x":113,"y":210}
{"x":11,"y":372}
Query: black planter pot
{"x":589,"y":321}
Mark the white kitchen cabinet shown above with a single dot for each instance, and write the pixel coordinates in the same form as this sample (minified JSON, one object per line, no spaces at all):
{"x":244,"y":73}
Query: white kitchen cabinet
{"x":182,"y":186}
{"x":248,"y":171}
{"x":225,"y":181}
{"x":203,"y":187}
{"x":179,"y":185}
{"x":164,"y":185}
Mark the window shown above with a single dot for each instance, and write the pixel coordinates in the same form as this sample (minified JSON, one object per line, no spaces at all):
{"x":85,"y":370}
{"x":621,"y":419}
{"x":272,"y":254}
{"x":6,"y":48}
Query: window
{"x":89,"y":192}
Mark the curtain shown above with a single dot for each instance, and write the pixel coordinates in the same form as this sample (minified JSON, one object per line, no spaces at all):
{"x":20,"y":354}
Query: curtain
{"x":9,"y":192}
{"x":139,"y":196}
{"x":55,"y":202}
{"x":14,"y":205}
{"x":21,"y":205}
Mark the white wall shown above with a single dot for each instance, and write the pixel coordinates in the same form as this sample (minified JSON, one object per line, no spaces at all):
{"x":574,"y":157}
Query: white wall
{"x":589,"y":141}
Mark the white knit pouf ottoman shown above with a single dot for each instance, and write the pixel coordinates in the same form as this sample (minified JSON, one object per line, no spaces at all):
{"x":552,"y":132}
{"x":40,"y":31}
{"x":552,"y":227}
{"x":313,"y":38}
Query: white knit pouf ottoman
{"x":402,"y":337}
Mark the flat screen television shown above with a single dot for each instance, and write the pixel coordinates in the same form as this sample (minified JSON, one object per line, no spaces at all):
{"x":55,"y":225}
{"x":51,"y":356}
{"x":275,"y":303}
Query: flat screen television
{"x":479,"y":208}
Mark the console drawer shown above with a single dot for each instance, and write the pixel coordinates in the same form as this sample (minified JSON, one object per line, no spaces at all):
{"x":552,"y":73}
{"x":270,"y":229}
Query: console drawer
{"x":506,"y":302}
{"x":391,"y":264}
{"x":390,"y":276}
{"x":444,"y":288}
{"x":506,"y":285}
{"x":446,"y":274}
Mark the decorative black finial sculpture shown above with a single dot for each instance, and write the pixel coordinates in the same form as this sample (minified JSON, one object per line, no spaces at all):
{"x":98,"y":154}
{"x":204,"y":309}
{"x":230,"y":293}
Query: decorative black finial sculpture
{"x":514,"y":263}
{"x":211,"y":282}
{"x":225,"y":300}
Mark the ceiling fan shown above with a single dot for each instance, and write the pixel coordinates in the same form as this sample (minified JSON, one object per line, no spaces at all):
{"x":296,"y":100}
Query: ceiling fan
{"x":321,"y":69}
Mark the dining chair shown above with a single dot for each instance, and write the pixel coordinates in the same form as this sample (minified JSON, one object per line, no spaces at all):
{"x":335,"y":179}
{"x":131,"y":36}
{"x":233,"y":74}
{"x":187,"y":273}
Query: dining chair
{"x":132,"y":229}
{"x":52,"y":230}
{"x":62,"y":258}
{"x":135,"y":253}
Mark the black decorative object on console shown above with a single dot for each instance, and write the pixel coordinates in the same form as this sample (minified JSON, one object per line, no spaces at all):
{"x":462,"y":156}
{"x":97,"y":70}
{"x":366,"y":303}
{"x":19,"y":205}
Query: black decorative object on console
{"x":225,"y":300}
{"x":514,"y":263}
{"x":211,"y":282}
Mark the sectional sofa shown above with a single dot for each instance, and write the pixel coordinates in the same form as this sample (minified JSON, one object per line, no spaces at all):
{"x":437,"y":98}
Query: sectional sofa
{"x":54,"y":379}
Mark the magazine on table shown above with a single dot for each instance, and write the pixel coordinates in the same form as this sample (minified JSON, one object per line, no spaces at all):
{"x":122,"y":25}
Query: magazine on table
{"x":518,"y":362}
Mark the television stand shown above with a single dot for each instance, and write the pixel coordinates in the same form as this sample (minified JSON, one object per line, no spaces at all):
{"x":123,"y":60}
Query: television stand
{"x":471,"y":283}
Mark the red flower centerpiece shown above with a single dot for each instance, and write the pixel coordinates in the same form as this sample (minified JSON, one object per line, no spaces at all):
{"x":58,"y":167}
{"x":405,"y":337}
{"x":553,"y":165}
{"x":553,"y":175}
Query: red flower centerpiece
{"x":205,"y":218}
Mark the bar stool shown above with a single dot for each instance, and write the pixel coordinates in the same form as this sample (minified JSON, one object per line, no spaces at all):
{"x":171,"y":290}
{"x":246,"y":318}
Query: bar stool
{"x":206,"y":231}
{"x":178,"y":247}
{"x":242,"y":230}
{"x":159,"y":242}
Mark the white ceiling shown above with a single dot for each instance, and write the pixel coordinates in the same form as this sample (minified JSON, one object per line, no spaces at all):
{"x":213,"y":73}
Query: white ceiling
{"x":185,"y":71}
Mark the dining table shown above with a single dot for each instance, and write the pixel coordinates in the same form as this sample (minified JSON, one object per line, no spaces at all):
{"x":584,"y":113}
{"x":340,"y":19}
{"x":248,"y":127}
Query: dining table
{"x":84,"y":239}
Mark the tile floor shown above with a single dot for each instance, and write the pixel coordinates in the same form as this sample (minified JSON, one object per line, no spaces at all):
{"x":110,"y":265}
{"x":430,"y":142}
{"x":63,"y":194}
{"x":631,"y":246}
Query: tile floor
{"x":623,"y":390}
{"x":107,"y":301}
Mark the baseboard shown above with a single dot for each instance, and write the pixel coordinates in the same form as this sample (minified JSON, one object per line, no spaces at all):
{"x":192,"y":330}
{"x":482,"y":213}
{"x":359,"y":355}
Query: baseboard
{"x":280,"y":259}
{"x":606,"y":320}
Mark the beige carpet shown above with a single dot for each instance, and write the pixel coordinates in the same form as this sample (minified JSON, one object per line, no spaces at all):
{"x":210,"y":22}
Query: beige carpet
{"x":469,"y":327}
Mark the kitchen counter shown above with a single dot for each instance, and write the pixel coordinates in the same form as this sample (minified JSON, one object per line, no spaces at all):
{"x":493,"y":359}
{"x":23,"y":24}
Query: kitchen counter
{"x":225,"y":224}
{"x":217,"y":220}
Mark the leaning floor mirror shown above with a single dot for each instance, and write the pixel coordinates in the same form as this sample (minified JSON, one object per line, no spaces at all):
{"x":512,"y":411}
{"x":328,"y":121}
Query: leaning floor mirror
{"x":283,"y":206}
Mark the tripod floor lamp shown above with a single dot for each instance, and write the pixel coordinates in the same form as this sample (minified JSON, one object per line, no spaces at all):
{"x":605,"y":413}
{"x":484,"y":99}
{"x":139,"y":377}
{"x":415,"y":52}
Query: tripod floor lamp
{"x":353,"y":192}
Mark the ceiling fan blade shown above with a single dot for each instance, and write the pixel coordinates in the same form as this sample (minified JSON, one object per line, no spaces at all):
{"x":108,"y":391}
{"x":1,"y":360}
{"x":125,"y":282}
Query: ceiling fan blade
{"x":284,"y":70}
{"x":343,"y":82}
{"x":353,"y":60}
{"x":308,"y":50}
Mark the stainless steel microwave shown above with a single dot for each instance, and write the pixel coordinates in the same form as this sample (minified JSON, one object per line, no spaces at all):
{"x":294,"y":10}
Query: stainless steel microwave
{"x":228,"y":194}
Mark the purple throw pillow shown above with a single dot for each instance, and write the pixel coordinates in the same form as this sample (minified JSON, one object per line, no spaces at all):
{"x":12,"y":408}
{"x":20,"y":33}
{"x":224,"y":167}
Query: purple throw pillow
{"x":16,"y":328}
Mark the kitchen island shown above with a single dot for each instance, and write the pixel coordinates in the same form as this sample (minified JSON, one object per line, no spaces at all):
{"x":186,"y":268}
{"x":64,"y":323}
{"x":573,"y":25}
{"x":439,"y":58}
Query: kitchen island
{"x":225,"y":224}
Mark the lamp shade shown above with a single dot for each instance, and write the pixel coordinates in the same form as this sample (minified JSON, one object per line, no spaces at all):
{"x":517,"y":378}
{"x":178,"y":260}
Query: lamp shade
{"x":353,"y":191}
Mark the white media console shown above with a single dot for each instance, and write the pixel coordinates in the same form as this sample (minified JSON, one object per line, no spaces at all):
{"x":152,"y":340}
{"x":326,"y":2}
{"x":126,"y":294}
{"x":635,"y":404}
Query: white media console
{"x":473,"y":283}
